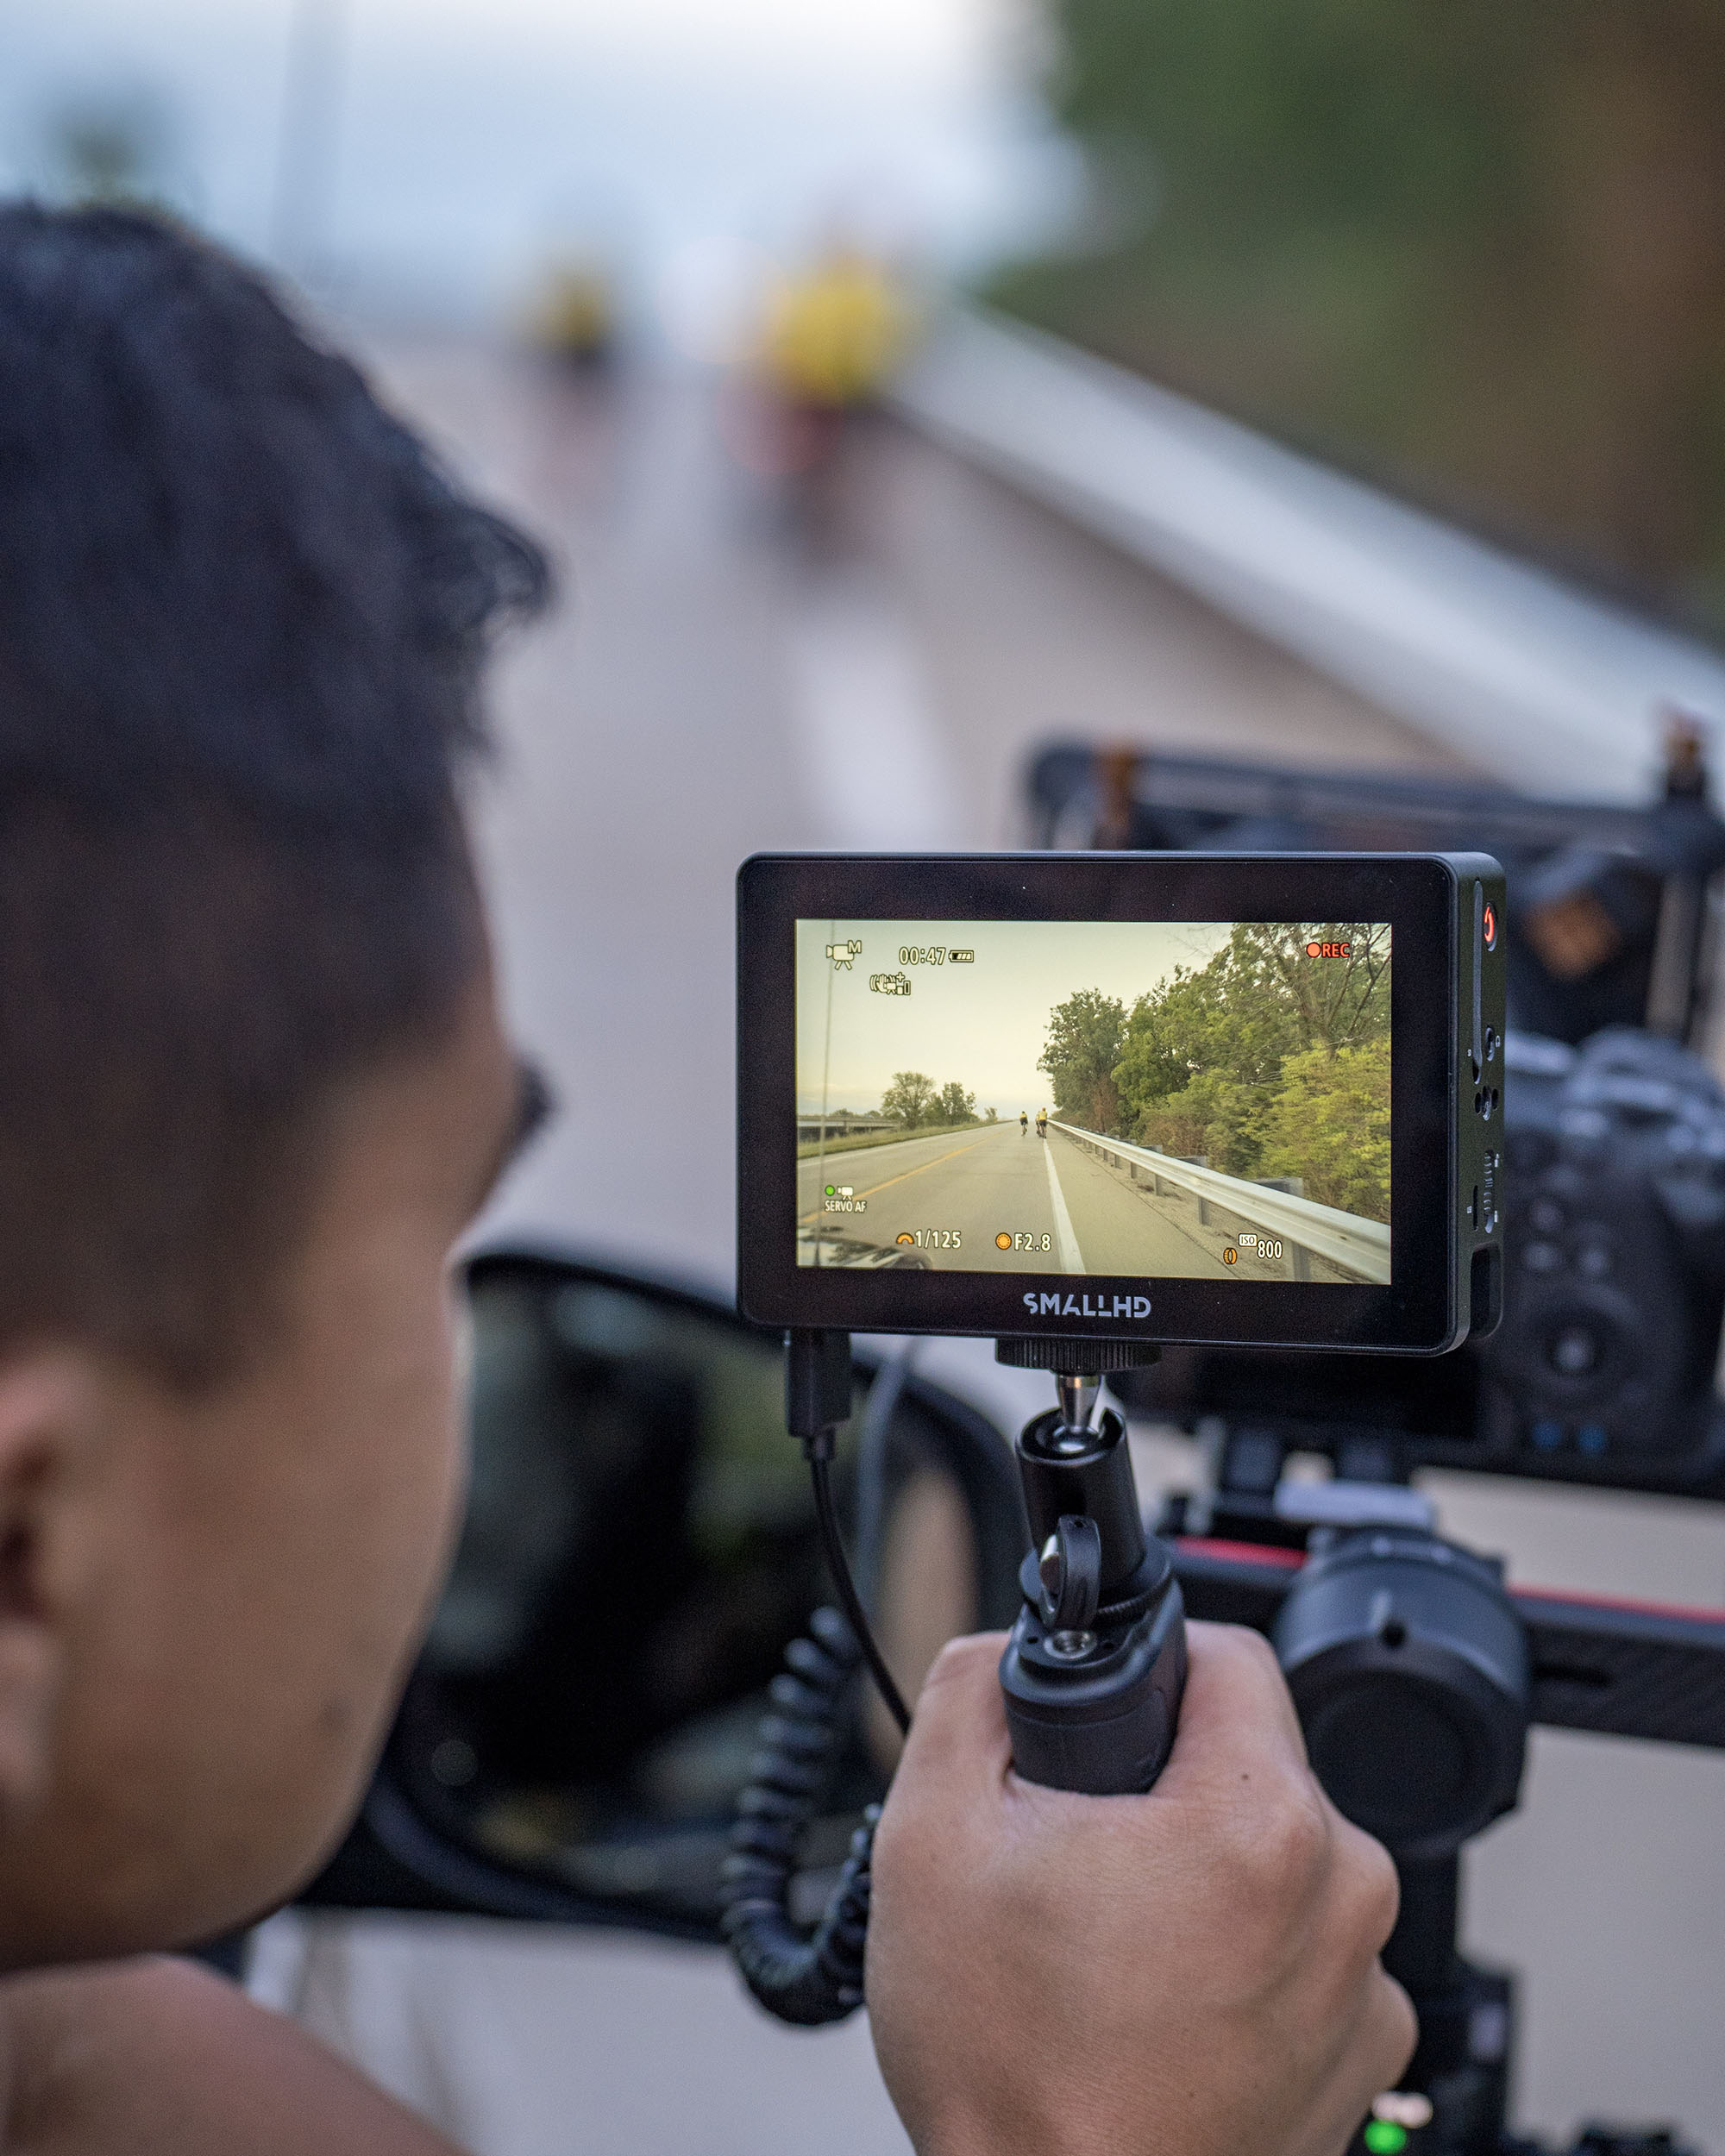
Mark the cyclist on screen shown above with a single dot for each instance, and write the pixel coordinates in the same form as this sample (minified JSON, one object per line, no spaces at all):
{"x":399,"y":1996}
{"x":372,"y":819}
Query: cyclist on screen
{"x":1023,"y":1124}
{"x":1042,"y":1122}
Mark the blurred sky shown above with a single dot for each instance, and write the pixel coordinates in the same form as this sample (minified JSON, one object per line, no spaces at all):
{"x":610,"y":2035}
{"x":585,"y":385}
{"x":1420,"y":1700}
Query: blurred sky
{"x":454,"y":144}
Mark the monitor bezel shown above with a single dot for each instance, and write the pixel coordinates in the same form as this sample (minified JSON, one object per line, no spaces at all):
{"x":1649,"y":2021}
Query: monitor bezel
{"x":1416,"y":893}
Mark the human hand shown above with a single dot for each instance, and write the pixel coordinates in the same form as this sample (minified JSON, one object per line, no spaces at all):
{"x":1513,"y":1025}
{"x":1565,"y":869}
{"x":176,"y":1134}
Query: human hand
{"x":1193,"y":1972}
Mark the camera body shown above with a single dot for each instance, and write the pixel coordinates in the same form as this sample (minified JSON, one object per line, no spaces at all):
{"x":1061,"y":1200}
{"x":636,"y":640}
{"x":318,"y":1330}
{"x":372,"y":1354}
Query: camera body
{"x":1277,"y":1089}
{"x":1602,"y":1370}
{"x":1615,"y":1198}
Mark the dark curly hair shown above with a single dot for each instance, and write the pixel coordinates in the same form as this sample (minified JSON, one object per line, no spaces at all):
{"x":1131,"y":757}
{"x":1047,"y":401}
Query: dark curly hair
{"x":243,"y":618}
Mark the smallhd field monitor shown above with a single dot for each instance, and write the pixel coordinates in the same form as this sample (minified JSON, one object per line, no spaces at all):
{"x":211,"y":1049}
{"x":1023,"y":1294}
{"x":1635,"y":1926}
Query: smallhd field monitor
{"x":1253,"y":1100}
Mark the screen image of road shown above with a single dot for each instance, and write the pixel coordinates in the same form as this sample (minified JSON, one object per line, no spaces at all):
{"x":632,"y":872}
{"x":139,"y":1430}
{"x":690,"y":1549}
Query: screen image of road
{"x":1156,"y":1100}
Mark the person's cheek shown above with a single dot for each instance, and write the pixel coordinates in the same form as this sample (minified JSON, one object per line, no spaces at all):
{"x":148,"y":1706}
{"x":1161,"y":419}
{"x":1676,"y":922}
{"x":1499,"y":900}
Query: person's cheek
{"x":399,"y":1540}
{"x":458,"y":1368}
{"x":398,"y":1567}
{"x":441,"y":1443}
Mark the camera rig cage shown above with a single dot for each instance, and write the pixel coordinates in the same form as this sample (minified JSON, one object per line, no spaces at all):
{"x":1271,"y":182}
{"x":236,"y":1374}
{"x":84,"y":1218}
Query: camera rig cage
{"x":1417,"y":1671}
{"x":1613,"y":1185}
{"x":1615,"y":904}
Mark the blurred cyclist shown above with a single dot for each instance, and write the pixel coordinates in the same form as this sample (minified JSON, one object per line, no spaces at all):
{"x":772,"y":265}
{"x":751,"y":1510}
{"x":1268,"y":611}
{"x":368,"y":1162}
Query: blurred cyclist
{"x":831,"y":335}
{"x":574,"y":321}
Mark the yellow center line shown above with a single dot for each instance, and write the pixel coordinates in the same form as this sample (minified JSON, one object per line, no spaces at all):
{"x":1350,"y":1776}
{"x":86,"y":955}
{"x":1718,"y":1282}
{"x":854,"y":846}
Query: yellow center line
{"x":875,"y":1188}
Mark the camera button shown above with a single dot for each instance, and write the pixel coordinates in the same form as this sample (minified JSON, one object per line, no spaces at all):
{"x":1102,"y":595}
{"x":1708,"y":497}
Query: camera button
{"x":1575,"y":1352}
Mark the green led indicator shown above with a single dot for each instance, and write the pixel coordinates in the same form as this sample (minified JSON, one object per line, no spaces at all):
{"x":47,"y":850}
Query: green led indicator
{"x":832,"y":1190}
{"x":1384,"y":2138}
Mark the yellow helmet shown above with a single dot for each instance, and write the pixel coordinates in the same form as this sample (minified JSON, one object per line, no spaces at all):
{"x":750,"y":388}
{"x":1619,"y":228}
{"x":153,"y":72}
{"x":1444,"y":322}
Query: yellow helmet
{"x":834,"y":334}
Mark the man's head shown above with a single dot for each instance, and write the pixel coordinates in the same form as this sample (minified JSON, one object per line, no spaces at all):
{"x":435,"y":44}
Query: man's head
{"x":251,"y":1080}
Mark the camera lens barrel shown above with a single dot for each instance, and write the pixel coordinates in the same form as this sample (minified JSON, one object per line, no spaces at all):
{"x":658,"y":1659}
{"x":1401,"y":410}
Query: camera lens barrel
{"x":1409,"y":1665}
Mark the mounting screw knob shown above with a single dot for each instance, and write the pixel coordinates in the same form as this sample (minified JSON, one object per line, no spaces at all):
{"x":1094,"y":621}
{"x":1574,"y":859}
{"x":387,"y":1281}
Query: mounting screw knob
{"x":1069,"y":1567}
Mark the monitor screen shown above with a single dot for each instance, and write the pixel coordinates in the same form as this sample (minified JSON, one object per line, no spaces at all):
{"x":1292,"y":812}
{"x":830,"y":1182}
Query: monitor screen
{"x":1164,"y":1099}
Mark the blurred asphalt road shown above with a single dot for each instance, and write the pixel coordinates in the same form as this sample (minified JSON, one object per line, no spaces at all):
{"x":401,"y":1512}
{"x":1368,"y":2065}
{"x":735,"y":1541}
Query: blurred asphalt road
{"x":703,"y":692}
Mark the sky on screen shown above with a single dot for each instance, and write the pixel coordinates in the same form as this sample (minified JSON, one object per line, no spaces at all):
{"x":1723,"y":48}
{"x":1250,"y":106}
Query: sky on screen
{"x":984,"y":1022}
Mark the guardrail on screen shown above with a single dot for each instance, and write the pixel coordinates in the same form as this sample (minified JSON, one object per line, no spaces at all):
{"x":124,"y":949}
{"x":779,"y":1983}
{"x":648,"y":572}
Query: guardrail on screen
{"x":1309,"y":1230}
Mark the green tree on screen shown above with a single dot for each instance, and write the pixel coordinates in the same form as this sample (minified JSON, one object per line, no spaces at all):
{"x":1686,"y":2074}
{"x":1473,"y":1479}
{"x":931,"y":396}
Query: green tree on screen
{"x":1082,"y":1047}
{"x":1211,"y":1118}
{"x":1329,"y":1124}
{"x":910,"y":1099}
{"x":1227,"y":1063}
{"x":955,"y":1105}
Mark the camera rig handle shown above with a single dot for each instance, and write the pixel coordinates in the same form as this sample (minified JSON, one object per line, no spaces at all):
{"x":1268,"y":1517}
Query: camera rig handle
{"x":1094,"y":1670}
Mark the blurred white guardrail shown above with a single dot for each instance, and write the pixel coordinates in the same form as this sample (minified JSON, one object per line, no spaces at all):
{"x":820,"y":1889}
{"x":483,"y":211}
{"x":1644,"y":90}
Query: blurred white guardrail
{"x":1523,"y":676}
{"x":1360,"y":1247}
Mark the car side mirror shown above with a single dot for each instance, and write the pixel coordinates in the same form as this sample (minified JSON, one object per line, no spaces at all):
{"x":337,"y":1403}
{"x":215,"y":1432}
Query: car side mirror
{"x":639,"y":1549}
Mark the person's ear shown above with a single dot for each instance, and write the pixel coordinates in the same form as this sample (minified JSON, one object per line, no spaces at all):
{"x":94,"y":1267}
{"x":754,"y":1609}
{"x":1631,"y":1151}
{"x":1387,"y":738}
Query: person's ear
{"x":45,"y":1426}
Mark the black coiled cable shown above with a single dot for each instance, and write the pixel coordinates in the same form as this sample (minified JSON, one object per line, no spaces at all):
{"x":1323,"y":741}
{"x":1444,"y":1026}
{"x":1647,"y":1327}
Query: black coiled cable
{"x":805,"y":1978}
{"x":809,"y":1978}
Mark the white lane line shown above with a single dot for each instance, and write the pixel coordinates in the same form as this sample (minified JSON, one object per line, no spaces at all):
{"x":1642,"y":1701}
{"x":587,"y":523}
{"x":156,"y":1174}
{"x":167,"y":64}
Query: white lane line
{"x":1071,"y":1258}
